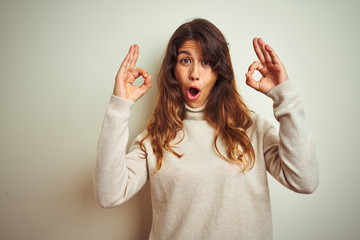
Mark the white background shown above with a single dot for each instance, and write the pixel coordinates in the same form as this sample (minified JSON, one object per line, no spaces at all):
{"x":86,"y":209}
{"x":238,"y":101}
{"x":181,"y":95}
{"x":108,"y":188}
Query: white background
{"x":58,"y":60}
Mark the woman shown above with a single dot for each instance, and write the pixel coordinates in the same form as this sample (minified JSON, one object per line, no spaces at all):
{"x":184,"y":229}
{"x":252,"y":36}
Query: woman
{"x":205,"y":154}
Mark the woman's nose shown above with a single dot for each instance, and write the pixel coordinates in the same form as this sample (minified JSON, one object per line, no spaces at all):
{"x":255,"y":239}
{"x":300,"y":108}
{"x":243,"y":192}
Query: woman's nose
{"x":194,"y":74}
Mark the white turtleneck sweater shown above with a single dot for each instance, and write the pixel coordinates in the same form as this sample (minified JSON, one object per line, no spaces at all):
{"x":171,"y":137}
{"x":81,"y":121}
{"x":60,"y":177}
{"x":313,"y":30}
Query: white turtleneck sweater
{"x":200,"y":195}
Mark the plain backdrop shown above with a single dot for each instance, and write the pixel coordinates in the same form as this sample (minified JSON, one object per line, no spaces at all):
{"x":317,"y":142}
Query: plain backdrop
{"x":58,"y":61}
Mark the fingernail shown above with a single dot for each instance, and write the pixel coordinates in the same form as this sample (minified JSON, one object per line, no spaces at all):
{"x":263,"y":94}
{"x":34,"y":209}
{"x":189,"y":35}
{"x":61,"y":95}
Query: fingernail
{"x":145,"y":75}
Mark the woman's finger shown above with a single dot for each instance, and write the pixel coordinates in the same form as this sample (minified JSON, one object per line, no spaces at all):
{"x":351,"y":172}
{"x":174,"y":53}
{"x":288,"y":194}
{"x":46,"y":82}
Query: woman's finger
{"x":125,"y":64}
{"x":258,"y":51}
{"x":140,"y":72}
{"x":264,"y":52}
{"x":255,"y":66}
{"x":274,"y":57}
{"x":251,"y":82}
{"x":134,"y":57}
{"x":146,"y":84}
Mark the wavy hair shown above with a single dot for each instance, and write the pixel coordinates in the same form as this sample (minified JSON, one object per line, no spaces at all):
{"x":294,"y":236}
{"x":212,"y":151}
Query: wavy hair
{"x":225,"y":110}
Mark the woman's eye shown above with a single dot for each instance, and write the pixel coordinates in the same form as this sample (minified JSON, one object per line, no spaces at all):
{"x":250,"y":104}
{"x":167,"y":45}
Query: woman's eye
{"x":206,"y":62}
{"x":185,"y":60}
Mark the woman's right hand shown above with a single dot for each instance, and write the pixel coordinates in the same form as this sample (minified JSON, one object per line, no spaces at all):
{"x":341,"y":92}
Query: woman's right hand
{"x":127,"y":74}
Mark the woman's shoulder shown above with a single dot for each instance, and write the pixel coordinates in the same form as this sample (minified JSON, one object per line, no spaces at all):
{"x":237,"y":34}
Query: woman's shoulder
{"x":143,"y":136}
{"x":259,"y":123}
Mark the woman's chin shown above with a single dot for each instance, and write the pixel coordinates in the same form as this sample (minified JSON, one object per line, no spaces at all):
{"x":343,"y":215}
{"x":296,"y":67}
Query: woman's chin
{"x":194,"y":103}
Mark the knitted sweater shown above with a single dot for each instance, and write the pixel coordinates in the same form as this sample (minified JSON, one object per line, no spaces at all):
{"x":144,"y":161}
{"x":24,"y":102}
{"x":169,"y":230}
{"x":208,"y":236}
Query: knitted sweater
{"x":200,"y":195}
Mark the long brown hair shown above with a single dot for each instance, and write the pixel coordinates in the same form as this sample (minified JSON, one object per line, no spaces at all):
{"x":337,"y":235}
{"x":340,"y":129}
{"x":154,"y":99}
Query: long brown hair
{"x":225,"y":110}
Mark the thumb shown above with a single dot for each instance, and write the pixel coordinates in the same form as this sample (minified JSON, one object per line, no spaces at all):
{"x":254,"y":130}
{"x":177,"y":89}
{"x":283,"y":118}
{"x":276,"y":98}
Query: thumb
{"x":251,"y":82}
{"x":146,"y":84}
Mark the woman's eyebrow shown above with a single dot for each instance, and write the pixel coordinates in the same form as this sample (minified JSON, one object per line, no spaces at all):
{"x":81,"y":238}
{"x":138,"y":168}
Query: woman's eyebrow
{"x":184,"y":52}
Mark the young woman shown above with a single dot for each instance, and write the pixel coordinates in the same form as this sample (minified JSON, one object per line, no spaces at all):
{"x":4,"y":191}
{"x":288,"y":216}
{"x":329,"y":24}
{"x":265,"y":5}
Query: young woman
{"x":205,"y":154}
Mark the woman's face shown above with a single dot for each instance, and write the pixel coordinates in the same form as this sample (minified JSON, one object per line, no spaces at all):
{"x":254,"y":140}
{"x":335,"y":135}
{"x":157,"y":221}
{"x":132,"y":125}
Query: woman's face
{"x":194,"y":73}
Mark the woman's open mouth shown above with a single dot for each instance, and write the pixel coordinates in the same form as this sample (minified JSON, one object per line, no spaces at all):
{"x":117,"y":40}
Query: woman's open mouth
{"x":193,"y":93}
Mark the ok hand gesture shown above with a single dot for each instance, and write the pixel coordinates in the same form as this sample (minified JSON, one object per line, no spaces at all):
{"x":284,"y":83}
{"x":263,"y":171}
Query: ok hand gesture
{"x":270,"y":67}
{"x":127,"y":75}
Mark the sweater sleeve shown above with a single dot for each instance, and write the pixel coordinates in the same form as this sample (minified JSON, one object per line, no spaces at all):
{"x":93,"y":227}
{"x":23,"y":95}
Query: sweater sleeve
{"x":290,"y":154}
{"x":118,"y":176}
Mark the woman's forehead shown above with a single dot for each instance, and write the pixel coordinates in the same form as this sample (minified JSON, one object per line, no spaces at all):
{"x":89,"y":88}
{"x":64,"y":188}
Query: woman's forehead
{"x":190,"y":46}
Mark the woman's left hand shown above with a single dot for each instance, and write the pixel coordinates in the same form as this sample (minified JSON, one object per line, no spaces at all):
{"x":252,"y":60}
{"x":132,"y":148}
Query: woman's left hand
{"x":270,"y":67}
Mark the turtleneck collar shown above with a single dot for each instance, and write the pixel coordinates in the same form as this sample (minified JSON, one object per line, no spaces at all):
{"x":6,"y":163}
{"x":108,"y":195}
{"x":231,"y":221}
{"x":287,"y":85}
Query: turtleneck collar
{"x":195,"y":113}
